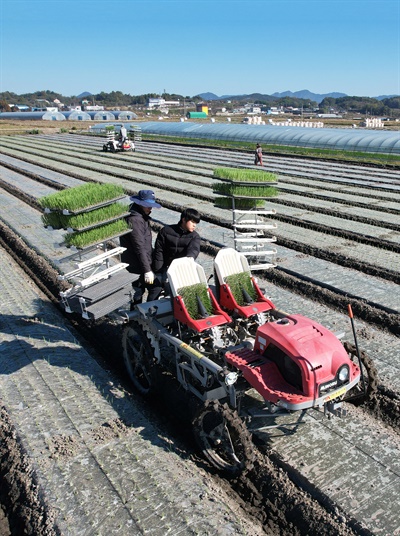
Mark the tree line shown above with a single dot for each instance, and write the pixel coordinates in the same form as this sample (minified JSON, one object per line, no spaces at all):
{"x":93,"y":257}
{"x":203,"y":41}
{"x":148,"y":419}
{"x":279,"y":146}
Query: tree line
{"x":114,"y":99}
{"x":389,"y":107}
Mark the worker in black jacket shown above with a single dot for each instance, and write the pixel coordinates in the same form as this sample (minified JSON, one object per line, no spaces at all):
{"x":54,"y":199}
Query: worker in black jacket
{"x":173,"y":242}
{"x":138,"y":242}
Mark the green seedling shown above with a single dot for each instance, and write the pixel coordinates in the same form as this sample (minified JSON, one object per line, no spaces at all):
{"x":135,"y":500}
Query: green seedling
{"x":248,"y":187}
{"x":240,"y":203}
{"x":197,"y":300}
{"x":241,"y":282}
{"x":93,"y":236}
{"x":244,"y":175}
{"x":80,"y":197}
{"x":85,"y":219}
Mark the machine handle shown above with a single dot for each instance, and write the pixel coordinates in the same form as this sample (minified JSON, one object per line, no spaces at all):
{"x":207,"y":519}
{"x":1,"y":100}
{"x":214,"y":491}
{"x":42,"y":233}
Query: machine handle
{"x":350,"y":310}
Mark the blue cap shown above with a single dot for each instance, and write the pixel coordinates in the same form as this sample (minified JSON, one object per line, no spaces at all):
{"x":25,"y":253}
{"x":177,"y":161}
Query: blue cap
{"x":145,"y":198}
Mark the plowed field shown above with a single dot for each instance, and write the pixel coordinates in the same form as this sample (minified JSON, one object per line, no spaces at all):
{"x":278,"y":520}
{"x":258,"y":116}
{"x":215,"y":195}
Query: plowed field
{"x":338,"y":243}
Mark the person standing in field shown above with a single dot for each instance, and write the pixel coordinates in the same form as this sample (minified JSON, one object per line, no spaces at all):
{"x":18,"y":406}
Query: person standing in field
{"x":138,"y":243}
{"x":123,"y":135}
{"x":258,"y":157}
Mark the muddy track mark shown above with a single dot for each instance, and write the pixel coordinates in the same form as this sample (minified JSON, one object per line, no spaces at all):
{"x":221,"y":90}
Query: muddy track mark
{"x":39,"y":270}
{"x":27,"y":511}
{"x":382,"y":319}
{"x":20,"y":194}
{"x":292,"y":507}
{"x":66,"y":159}
{"x":341,"y":233}
{"x":314,"y":251}
{"x":32,"y":160}
{"x":342,"y":260}
{"x":289,"y":156}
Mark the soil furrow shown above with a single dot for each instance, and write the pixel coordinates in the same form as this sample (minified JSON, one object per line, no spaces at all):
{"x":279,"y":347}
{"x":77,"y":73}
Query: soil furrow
{"x":257,"y":487}
{"x":281,"y":490}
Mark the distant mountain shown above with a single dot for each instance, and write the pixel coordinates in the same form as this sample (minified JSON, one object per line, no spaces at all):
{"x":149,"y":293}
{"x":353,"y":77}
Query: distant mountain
{"x":209,"y":96}
{"x":84,"y":94}
{"x":212,"y":96}
{"x":382,"y":97}
{"x":303,"y":94}
{"x":250,"y":97}
{"x":254,"y":97}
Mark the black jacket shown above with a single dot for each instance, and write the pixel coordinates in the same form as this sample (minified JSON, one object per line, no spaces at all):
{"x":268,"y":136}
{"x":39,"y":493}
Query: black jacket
{"x":173,"y":243}
{"x":138,"y":242}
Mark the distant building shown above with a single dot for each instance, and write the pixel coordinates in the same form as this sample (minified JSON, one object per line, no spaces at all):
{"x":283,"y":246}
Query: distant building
{"x":202,"y":108}
{"x":94,"y":108}
{"x":330,"y":116}
{"x":158,"y":102}
{"x":274,"y":110}
{"x":253,"y":120}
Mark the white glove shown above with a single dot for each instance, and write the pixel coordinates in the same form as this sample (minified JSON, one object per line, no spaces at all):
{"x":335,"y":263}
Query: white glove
{"x":149,"y":278}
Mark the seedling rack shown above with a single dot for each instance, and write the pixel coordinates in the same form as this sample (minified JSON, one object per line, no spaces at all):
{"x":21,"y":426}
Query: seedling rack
{"x":250,"y":224}
{"x":100,"y":284}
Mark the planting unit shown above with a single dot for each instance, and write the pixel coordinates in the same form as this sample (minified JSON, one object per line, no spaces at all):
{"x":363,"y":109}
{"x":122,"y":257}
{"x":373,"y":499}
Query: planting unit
{"x":114,"y":145}
{"x":244,"y":362}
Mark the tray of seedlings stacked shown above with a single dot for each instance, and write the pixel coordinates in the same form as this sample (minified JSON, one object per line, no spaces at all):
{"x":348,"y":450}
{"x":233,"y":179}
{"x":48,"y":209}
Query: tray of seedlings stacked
{"x":249,"y":187}
{"x":245,"y":192}
{"x":90,"y":213}
{"x":92,"y":216}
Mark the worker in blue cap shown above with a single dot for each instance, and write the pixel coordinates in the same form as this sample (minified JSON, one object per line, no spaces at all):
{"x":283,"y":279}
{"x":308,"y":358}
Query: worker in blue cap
{"x":138,"y":242}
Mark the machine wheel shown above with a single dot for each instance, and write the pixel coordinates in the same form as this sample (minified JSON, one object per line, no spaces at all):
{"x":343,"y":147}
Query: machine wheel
{"x":112,"y":148}
{"x":139,"y":359}
{"x":223,"y":438}
{"x":105,"y":148}
{"x":370,"y":376}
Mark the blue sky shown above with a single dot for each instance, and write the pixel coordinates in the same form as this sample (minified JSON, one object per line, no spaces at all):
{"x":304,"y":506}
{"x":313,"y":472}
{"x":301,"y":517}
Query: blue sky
{"x":193,"y":46}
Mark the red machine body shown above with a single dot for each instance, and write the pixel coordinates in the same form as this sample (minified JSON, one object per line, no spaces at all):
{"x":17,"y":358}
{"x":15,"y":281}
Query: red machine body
{"x":296,"y":363}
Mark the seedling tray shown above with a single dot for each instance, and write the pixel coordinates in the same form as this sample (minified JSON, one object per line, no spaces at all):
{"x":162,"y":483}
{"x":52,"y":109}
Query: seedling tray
{"x":97,"y":224}
{"x":236,"y":196}
{"x":248,"y":183}
{"x":92,"y":244}
{"x":66,"y":212}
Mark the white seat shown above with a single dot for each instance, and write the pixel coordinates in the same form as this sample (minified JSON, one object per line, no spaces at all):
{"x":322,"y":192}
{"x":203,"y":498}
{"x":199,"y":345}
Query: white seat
{"x":228,"y":262}
{"x":185,"y":272}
